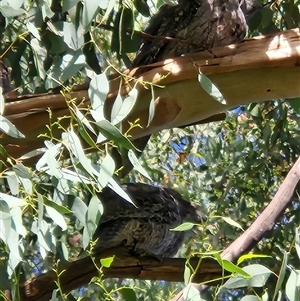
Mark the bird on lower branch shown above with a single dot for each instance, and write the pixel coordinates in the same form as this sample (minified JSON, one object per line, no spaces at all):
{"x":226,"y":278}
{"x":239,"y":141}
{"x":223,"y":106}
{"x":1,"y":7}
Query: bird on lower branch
{"x":144,"y":229}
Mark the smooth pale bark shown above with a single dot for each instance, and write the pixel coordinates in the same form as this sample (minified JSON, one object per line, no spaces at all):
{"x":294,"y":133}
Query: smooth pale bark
{"x":255,"y":70}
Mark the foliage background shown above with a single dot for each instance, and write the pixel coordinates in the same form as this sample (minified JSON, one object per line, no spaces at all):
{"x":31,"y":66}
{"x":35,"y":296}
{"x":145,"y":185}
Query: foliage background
{"x":231,"y":168}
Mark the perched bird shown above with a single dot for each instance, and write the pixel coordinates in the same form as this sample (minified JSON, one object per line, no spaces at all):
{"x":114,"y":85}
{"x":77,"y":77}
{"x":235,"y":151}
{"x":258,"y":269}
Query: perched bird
{"x":194,"y":25}
{"x":144,"y":229}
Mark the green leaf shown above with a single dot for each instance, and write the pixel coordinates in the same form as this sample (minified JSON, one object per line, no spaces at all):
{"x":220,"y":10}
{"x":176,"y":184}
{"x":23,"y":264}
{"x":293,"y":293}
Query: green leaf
{"x":259,"y":275}
{"x":82,"y":119}
{"x":251,"y":256}
{"x":10,"y":12}
{"x":292,"y":288}
{"x":107,"y":169}
{"x":184,"y":227}
{"x":142,"y":7}
{"x":13,"y":182}
{"x":40,"y":55}
{"x":230,"y":221}
{"x":86,"y":136}
{"x":71,"y":64}
{"x":126,"y":106}
{"x":190,"y":293}
{"x":16,"y":216}
{"x":73,"y":36}
{"x":128,"y":294}
{"x":116,"y":109}
{"x":33,"y":30}
{"x":60,"y":208}
{"x":295,"y":104}
{"x":53,"y":148}
{"x":73,"y":176}
{"x":137,"y":165}
{"x":151,"y":107}
{"x":72,"y":142}
{"x":118,"y":189}
{"x":254,"y":109}
{"x":79,"y":208}
{"x":209,"y":87}
{"x":90,"y":10}
{"x":9,"y":129}
{"x":186,"y":275}
{"x":281,"y":275}
{"x":12,"y":201}
{"x":98,"y":90}
{"x":93,"y":215}
{"x":229,"y":266}
{"x":67,"y":5}
{"x":112,"y":133}
{"x":56,"y":217}
{"x":171,"y":2}
{"x":14,"y":252}
{"x":106,"y":262}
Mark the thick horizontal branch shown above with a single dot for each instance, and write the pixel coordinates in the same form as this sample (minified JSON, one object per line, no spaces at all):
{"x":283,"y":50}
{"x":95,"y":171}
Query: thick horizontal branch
{"x":258,"y":69}
{"x":80,"y":272}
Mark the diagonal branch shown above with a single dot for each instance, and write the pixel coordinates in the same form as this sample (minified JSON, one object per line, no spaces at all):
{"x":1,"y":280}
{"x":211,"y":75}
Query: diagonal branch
{"x":264,"y":223}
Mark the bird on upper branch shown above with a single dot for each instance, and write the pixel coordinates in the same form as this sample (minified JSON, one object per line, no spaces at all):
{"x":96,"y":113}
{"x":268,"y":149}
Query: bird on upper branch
{"x":192,"y":25}
{"x":144,"y":230}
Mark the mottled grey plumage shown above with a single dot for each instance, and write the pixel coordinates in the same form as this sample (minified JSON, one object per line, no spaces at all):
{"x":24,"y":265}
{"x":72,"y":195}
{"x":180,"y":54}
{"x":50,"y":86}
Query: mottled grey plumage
{"x":4,"y":79}
{"x":199,"y":24}
{"x":145,"y":229}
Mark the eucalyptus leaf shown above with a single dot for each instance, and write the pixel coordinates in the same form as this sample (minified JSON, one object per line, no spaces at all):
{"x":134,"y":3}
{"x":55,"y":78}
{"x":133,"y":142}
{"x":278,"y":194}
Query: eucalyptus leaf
{"x":112,"y":133}
{"x":137,"y":165}
{"x":190,"y":293}
{"x":98,"y":90}
{"x":209,"y":87}
{"x":56,"y":217}
{"x":184,"y":227}
{"x":8,"y":128}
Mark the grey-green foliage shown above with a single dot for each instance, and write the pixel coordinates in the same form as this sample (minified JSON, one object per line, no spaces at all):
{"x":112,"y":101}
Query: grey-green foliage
{"x":233,"y":169}
{"x":43,"y":209}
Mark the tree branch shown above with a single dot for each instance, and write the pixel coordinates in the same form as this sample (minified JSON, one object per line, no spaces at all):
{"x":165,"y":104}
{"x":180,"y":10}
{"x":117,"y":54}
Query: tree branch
{"x":264,"y":223}
{"x":80,"y":272}
{"x":255,"y":70}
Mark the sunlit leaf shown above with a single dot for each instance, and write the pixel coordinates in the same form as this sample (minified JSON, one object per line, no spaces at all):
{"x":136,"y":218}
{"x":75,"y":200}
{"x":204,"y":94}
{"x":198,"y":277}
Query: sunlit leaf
{"x":137,"y":165}
{"x":112,"y":133}
{"x":293,"y":286}
{"x":190,"y":293}
{"x":79,"y":208}
{"x":106,"y":262}
{"x":281,"y":275}
{"x":184,"y":227}
{"x":98,"y":90}
{"x":8,"y":128}
{"x":107,"y":169}
{"x":209,"y":87}
{"x":56,"y":217}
